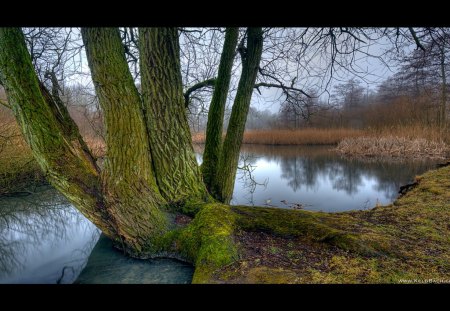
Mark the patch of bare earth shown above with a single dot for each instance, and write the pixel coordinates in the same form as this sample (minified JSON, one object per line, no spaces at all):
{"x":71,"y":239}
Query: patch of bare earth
{"x":266,"y":258}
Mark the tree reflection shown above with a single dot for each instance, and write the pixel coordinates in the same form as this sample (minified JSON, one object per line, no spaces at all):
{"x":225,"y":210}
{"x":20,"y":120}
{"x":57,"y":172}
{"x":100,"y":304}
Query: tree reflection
{"x":306,"y":166}
{"x":300,"y":171}
{"x":29,"y":224}
{"x":248,"y":182}
{"x":346,"y":176}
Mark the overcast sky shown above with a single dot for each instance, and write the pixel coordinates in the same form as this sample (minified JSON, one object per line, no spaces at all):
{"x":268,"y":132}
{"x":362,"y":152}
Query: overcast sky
{"x":372,"y":72}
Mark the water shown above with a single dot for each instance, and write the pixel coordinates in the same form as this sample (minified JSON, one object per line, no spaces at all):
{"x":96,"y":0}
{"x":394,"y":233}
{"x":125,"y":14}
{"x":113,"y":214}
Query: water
{"x":316,"y":178}
{"x":108,"y":266}
{"x":43,"y":239}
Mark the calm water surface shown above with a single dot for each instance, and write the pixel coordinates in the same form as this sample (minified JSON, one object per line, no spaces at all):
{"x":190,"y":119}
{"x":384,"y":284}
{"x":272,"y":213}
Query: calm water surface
{"x":316,"y":178}
{"x":43,"y":239}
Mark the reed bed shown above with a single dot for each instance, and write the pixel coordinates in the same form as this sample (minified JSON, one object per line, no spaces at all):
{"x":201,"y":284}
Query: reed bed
{"x":310,"y":136}
{"x":332,"y":136}
{"x":393,"y":146}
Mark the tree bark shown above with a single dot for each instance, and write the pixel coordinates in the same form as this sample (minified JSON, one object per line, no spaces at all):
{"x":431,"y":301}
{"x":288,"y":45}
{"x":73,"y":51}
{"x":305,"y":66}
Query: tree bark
{"x":228,"y":161}
{"x":129,"y":185}
{"x":216,"y":112}
{"x":177,"y":173}
{"x":50,"y":132}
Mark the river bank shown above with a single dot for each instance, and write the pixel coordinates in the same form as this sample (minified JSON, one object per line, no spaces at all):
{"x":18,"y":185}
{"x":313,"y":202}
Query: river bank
{"x":407,"y":241}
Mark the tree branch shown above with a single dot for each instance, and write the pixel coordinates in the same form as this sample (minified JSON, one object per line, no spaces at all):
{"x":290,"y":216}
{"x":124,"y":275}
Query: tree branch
{"x":413,"y":33}
{"x":211,"y":82}
{"x":280,"y":86}
{"x":189,"y":91}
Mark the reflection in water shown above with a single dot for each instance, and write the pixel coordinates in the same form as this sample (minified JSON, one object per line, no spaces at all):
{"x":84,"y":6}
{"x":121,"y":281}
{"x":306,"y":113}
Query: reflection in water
{"x":319,"y":179}
{"x":43,"y":239}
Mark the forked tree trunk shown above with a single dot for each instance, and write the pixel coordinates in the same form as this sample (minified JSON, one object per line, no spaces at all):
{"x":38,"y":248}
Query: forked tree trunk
{"x":177,"y":172}
{"x":213,"y":143}
{"x":129,"y":186}
{"x":228,"y":161}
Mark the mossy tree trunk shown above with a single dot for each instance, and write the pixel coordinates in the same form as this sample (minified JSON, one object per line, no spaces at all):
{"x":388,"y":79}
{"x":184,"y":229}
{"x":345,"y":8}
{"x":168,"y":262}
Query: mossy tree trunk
{"x":150,"y":160}
{"x":50,"y":132}
{"x":177,"y":173}
{"x":216,"y":112}
{"x":129,"y":185}
{"x":228,"y":161}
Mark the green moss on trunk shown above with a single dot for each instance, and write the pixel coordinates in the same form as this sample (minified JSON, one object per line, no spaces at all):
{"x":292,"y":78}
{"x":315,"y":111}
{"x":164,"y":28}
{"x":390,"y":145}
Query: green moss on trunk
{"x":207,"y":241}
{"x":216,"y":111}
{"x":56,"y":145}
{"x":176,"y":169}
{"x":228,"y":161}
{"x":130,"y":190}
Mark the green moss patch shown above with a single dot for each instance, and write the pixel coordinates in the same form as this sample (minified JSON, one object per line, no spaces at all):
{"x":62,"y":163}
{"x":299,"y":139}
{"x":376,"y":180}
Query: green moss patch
{"x":208,"y":240}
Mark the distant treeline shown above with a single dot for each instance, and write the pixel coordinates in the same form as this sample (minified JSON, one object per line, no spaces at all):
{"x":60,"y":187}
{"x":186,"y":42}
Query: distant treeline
{"x":416,"y":95}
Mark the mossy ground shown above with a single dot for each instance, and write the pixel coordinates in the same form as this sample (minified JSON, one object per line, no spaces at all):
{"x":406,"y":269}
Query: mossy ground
{"x":407,"y":241}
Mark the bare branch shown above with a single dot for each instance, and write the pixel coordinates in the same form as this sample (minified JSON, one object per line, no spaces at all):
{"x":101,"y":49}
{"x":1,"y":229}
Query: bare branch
{"x":195,"y":87}
{"x":416,"y":39}
{"x":280,"y":86}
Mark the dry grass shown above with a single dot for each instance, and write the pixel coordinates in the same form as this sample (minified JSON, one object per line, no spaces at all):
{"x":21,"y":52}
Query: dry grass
{"x":318,"y":136}
{"x":18,"y":170}
{"x":393,"y":146}
{"x":310,"y":136}
{"x":198,"y":138}
{"x":411,"y":132}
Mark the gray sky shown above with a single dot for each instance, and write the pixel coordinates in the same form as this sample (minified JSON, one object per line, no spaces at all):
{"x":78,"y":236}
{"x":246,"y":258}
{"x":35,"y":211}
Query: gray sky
{"x":374,"y":72}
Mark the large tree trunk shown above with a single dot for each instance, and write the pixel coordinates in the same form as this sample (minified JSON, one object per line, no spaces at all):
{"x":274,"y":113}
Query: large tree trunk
{"x":228,"y":161}
{"x":216,"y":112}
{"x":177,"y":172}
{"x":129,"y":185}
{"x":53,"y":137}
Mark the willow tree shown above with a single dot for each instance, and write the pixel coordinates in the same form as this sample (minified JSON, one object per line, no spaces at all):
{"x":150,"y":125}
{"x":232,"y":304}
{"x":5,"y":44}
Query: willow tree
{"x":149,"y":168}
{"x":149,"y":172}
